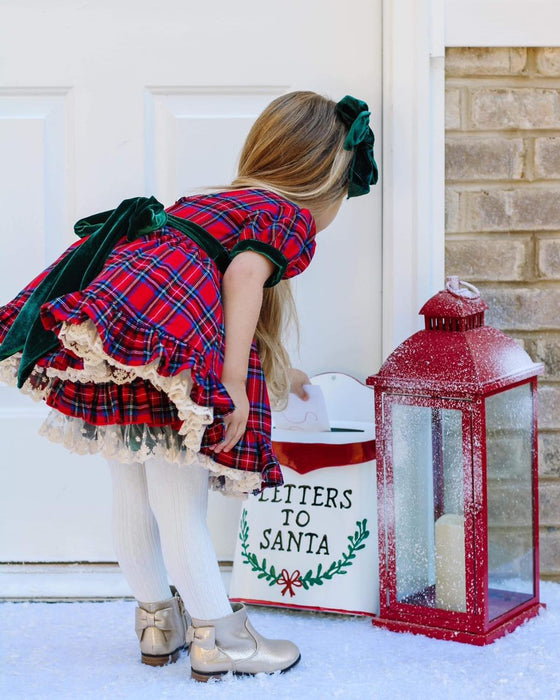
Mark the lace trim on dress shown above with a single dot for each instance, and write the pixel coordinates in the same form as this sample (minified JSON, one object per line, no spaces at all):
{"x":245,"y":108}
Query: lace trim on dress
{"x":9,"y":369}
{"x":84,"y":341}
{"x":137,"y":443}
{"x":37,"y":387}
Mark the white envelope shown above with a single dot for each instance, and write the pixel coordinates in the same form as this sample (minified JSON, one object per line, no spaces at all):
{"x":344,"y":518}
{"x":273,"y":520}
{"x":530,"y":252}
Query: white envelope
{"x":300,"y":415}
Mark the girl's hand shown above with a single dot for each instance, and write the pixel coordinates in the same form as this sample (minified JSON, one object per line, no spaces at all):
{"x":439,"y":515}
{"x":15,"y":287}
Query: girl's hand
{"x":297,"y":380}
{"x":235,"y":422}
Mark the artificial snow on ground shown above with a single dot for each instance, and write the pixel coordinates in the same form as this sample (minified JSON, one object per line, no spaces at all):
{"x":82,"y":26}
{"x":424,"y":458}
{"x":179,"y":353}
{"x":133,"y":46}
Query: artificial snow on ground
{"x":89,"y":650}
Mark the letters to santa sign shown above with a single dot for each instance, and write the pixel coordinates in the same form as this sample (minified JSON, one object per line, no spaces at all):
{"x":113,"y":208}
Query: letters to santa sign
{"x":312,"y":543}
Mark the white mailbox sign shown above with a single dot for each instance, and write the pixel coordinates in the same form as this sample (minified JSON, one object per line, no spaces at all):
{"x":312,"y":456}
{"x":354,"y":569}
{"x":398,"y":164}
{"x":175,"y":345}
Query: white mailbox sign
{"x":312,"y":543}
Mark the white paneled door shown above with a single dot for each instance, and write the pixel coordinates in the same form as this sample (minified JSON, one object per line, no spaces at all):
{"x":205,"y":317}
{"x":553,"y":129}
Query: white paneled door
{"x":105,"y":100}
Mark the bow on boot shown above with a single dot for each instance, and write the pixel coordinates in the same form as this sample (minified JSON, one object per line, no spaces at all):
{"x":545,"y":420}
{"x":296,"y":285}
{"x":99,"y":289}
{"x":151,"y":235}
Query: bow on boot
{"x":161,"y":628}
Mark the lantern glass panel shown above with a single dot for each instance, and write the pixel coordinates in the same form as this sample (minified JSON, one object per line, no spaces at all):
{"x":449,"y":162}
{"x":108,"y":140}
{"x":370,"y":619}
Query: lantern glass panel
{"x":427,"y":461}
{"x":509,"y":462}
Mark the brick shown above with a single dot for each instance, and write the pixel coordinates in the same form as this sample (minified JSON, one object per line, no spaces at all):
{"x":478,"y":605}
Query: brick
{"x":546,"y":349}
{"x":548,"y":257}
{"x":549,"y":547}
{"x":515,"y":108}
{"x":523,"y":209}
{"x":549,"y":406}
{"x":547,"y":157}
{"x":452,"y":108}
{"x":509,"y":503}
{"x":492,"y":158}
{"x":521,"y":342}
{"x":451,"y":210}
{"x":549,"y":503}
{"x":485,"y":61}
{"x":548,"y":61}
{"x":487,"y":259}
{"x":508,"y":455}
{"x":487,"y":211}
{"x":549,"y":454}
{"x":522,"y":309}
{"x":508,"y":547}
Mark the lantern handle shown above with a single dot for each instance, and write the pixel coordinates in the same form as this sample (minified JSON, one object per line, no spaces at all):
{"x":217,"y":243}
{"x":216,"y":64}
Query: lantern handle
{"x":453,"y":286}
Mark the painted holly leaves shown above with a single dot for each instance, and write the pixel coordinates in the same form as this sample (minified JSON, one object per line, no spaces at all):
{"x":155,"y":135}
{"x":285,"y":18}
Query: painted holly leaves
{"x":293,"y":580}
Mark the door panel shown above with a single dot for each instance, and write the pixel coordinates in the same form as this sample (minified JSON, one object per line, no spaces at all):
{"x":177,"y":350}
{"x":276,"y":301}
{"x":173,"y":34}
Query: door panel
{"x":102,"y":101}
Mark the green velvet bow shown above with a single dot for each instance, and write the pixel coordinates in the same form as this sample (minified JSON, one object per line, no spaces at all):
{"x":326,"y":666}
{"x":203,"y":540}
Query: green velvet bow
{"x":131,"y":219}
{"x":360,"y":139}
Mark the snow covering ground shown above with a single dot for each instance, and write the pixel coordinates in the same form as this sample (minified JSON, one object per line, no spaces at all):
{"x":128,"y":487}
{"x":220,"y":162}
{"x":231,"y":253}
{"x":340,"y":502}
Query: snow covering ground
{"x":83,"y":651}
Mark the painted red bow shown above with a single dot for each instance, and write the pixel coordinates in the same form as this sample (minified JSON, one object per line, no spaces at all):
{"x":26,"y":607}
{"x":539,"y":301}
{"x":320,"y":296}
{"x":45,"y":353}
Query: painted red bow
{"x":289,"y":581}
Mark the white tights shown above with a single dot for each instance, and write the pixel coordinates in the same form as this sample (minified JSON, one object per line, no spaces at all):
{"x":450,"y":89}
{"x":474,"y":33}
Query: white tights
{"x":159,"y":515}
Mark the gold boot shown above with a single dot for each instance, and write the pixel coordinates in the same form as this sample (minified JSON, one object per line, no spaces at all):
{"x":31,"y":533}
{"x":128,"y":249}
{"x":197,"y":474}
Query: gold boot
{"x":161,"y":628}
{"x":232,"y":644}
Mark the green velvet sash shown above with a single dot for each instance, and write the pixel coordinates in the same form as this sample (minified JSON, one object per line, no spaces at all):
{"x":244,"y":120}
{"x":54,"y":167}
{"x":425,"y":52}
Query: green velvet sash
{"x":131,"y":219}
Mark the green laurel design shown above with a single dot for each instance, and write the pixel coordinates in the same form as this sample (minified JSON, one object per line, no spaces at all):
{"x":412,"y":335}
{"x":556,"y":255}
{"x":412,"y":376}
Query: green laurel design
{"x":262,"y":572}
{"x":340,"y":566}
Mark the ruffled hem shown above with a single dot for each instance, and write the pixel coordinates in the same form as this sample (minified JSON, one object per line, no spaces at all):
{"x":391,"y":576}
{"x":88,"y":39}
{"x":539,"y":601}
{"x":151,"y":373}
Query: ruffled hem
{"x":134,"y":442}
{"x":138,"y":443}
{"x":84,"y":341}
{"x":117,"y":346}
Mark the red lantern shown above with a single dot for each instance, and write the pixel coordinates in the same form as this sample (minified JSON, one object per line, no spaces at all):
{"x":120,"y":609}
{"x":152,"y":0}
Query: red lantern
{"x":457,"y":477}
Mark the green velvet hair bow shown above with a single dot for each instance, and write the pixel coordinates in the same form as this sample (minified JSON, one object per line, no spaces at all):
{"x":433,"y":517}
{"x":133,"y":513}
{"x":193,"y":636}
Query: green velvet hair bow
{"x":355,"y":115}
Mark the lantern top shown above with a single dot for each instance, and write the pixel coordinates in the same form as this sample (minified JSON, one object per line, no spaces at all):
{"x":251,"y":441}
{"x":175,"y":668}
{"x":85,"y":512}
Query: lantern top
{"x":456,"y":355}
{"x":456,"y":308}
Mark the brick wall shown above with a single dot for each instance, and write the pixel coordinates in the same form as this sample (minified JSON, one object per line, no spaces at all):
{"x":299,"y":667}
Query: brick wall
{"x":503,"y":221}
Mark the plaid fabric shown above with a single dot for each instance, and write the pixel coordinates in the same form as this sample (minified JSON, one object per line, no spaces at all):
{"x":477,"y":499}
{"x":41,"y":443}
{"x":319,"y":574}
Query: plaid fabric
{"x":158,"y":299}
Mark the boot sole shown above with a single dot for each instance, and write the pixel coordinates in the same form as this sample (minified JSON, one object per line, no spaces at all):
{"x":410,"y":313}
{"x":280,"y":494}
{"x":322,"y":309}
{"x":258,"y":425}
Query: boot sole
{"x":162,"y":660}
{"x":203,"y":677}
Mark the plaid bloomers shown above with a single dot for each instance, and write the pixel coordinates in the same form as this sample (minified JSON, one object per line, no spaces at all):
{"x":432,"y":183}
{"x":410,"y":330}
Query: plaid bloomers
{"x":137,"y":371}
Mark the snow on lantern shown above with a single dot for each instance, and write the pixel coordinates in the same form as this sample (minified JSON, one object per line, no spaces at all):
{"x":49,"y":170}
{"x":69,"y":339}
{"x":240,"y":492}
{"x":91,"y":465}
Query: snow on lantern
{"x":457,"y":476}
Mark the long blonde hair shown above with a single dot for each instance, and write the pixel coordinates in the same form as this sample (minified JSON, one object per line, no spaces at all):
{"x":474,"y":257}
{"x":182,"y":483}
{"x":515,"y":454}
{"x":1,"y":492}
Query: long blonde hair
{"x":295,"y":148}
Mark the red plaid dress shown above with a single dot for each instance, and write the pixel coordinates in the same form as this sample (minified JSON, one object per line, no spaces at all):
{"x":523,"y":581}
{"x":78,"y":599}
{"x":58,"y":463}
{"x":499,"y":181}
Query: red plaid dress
{"x":141,"y":348}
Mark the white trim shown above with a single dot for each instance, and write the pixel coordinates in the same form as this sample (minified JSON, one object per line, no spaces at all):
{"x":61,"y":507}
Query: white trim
{"x":413,"y":157}
{"x":71,"y":581}
{"x":502,"y":22}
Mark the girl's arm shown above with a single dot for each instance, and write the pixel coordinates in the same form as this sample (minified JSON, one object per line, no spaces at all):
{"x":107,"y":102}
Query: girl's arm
{"x":242,"y":292}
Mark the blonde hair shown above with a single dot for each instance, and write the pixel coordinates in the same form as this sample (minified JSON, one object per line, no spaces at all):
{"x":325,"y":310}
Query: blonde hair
{"x":295,"y":148}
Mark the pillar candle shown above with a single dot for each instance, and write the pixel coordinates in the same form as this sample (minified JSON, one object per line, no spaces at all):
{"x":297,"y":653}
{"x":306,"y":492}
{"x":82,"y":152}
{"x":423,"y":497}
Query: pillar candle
{"x":450,"y":562}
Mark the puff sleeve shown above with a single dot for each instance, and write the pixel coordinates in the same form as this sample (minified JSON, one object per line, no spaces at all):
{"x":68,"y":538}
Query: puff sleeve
{"x":286,"y":239}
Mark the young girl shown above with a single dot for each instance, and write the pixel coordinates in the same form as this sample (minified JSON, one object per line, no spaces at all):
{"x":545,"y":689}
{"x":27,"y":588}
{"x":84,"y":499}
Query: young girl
{"x":150,"y":339}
